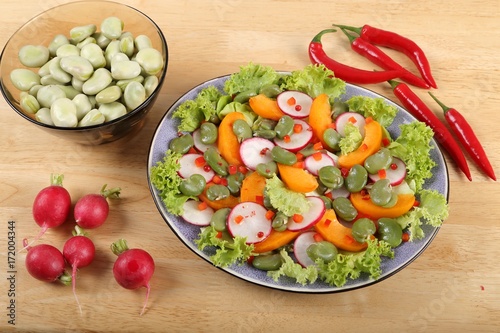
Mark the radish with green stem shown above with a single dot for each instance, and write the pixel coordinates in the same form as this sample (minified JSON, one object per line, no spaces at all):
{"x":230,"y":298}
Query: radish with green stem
{"x":92,"y":210}
{"x":133,"y":268}
{"x":45,"y":262}
{"x":51,"y":206}
{"x":78,"y":251}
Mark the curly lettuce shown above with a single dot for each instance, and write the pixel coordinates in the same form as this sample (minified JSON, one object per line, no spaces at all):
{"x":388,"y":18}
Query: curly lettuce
{"x":413,"y":147}
{"x":315,"y":80}
{"x":166,"y":180}
{"x":432,"y":210}
{"x":291,"y":269}
{"x":193,"y":112}
{"x":251,"y":77}
{"x":228,"y":251}
{"x":351,"y":265}
{"x":351,"y":140}
{"x":286,"y":201}
{"x":375,"y":108}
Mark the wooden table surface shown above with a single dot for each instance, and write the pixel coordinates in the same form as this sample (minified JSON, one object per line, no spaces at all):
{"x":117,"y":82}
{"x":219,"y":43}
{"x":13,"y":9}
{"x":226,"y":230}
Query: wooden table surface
{"x":453,"y":286}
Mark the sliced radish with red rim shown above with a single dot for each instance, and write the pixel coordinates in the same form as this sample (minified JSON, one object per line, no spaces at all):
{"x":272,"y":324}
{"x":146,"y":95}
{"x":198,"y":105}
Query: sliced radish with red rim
{"x":350,"y":117}
{"x":300,"y":245}
{"x":254,"y":151}
{"x":202,"y":147}
{"x":309,"y":218}
{"x":248,"y":219}
{"x":316,"y":161}
{"x":294,"y":103}
{"x":193,"y":215}
{"x":396,"y":172}
{"x":300,"y":138}
{"x":191,"y":164}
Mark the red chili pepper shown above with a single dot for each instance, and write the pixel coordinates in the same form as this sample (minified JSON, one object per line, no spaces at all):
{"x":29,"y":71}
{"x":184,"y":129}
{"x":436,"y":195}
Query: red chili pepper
{"x":418,"y":108}
{"x":381,"y":59}
{"x":347,"y":73}
{"x":467,"y":137}
{"x":399,"y":43}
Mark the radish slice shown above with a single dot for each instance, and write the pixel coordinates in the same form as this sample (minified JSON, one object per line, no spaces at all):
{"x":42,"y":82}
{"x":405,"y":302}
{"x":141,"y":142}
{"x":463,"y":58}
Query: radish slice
{"x":311,"y":217}
{"x":189,"y":167}
{"x":294,"y":103}
{"x":298,"y":140}
{"x":350,"y":117}
{"x":193,"y":215}
{"x":300,"y":245}
{"x":254,"y":151}
{"x":315,"y":162}
{"x":248,"y":219}
{"x":340,"y":192}
{"x":198,"y":144}
{"x":396,"y":172}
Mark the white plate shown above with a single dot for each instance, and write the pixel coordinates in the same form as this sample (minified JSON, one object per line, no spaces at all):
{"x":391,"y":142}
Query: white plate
{"x":187,"y":233}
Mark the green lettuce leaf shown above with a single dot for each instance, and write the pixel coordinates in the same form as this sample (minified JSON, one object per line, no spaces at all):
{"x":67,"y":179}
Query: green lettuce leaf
{"x":193,"y":112}
{"x":290,"y":268}
{"x":351,"y":265}
{"x":433,"y":209}
{"x":286,"y":201}
{"x":166,"y":180}
{"x":351,"y":140}
{"x":228,"y":251}
{"x":413,"y":147}
{"x":251,"y":77}
{"x":315,"y":80}
{"x":376,"y":108}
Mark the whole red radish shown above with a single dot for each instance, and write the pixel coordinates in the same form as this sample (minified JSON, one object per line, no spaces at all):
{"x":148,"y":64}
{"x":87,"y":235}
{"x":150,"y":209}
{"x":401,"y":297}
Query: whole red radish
{"x":51,"y":206}
{"x":133,"y":268}
{"x":78,"y":251}
{"x":46,"y":263}
{"x":92,"y":210}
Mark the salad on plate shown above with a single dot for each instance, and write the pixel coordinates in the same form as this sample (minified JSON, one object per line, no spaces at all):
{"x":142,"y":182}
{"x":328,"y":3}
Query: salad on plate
{"x":278,"y":172}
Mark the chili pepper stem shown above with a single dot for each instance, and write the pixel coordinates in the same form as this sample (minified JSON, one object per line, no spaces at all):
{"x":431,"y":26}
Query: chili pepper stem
{"x":349,"y":28}
{"x":317,"y":38}
{"x":444,"y":107}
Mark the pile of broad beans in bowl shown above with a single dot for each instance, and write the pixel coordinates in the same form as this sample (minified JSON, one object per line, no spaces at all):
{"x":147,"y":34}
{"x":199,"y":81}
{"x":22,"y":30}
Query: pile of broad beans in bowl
{"x":86,"y":71}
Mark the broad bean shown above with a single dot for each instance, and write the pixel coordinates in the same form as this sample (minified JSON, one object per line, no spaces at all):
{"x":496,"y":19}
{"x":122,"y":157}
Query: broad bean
{"x":344,"y":209}
{"x":268,"y":262}
{"x":33,"y":55}
{"x":193,"y":185}
{"x":43,"y":116}
{"x":93,"y":53}
{"x":219,"y":219}
{"x":208,"y":133}
{"x":24,"y":79}
{"x":216,"y":162}
{"x":356,"y":178}
{"x":67,"y":50}
{"x":108,"y":95}
{"x":217,"y":192}
{"x":150,"y":60}
{"x":112,"y":27}
{"x":77,"y":66}
{"x":323,"y":250}
{"x":283,"y":156}
{"x":82,"y":104}
{"x":134,"y":95}
{"x":142,"y":42}
{"x":182,"y":144}
{"x":48,"y":94}
{"x":63,"y":113}
{"x":150,"y":84}
{"x":99,"y":80}
{"x":112,"y":110}
{"x":93,"y":117}
{"x":57,"y":42}
{"x":29,"y":103}
{"x":80,"y":33}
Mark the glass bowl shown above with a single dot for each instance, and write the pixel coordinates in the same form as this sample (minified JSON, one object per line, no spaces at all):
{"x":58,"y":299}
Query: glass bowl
{"x":41,"y":29}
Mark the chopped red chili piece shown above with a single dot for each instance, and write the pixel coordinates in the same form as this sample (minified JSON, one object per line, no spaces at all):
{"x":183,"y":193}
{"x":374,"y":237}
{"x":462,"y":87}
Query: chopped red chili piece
{"x":328,"y":222}
{"x":202,"y":205}
{"x":318,"y":238}
{"x":259,"y":199}
{"x":219,"y":234}
{"x":317,"y":156}
{"x":318,"y":146}
{"x":287,"y":138}
{"x":386,"y":142}
{"x":269,"y":214}
{"x":297,"y":218}
{"x":382,"y":174}
{"x":297,"y":128}
{"x":364,"y":147}
{"x":216,"y":179}
{"x":199,"y":161}
{"x":264,"y":151}
{"x":238,"y":219}
{"x":232,"y":169}
{"x":291,"y":101}
{"x":223,"y":181}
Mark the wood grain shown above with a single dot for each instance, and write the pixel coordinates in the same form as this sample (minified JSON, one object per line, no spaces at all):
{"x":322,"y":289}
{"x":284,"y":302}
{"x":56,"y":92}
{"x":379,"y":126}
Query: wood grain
{"x":453,"y":286}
